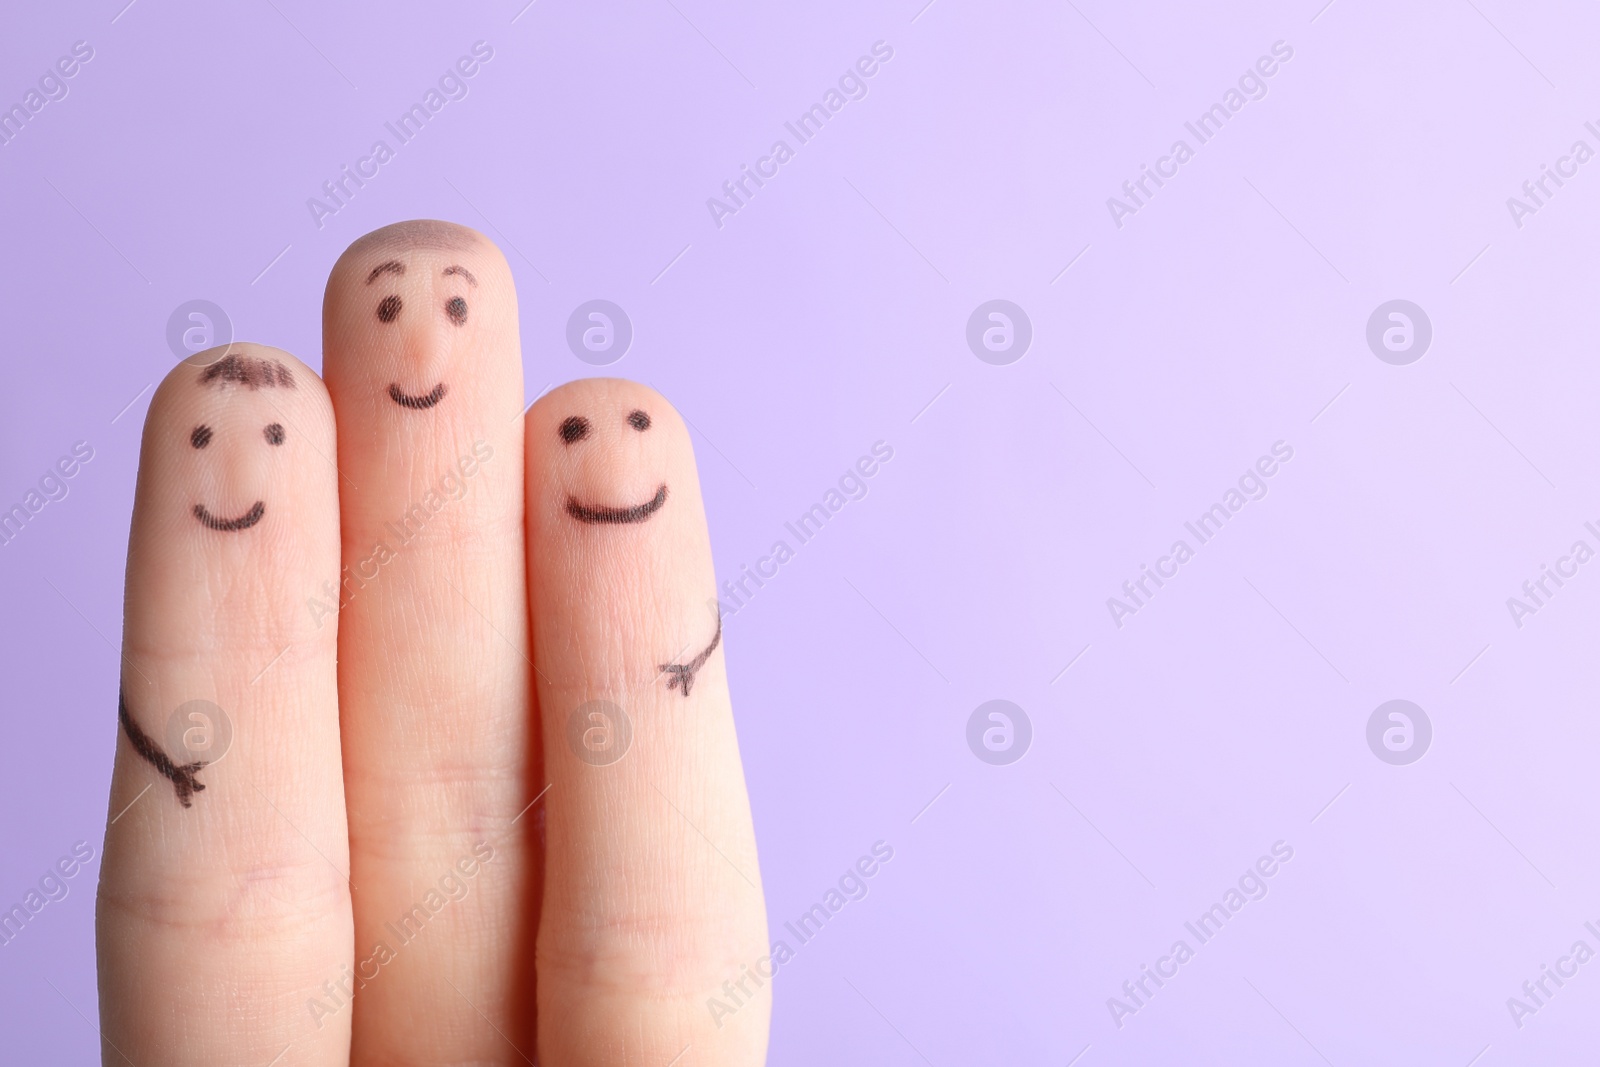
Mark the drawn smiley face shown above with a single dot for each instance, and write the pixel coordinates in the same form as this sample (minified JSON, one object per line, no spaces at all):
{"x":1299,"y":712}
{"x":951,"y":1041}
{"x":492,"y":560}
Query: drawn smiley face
{"x":576,"y":428}
{"x":392,"y":309}
{"x":252,"y":374}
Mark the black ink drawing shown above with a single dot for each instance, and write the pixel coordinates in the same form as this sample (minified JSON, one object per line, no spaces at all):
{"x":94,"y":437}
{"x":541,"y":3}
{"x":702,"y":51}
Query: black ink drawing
{"x":575,"y":428}
{"x":683,"y":673}
{"x":248,"y":372}
{"x":418,"y":403}
{"x":181,"y":776}
{"x":389,"y":308}
{"x":252,"y":374}
{"x":243,"y":522}
{"x":599,"y":514}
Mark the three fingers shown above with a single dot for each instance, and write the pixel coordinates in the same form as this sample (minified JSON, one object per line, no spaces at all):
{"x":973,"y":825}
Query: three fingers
{"x":435,"y":685}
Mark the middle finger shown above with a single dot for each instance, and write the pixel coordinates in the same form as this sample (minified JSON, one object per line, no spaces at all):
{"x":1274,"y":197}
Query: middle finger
{"x":424,"y":366}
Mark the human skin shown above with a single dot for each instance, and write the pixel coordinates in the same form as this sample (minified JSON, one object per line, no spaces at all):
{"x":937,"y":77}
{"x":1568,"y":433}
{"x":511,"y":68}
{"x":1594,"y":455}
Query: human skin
{"x":472,"y":813}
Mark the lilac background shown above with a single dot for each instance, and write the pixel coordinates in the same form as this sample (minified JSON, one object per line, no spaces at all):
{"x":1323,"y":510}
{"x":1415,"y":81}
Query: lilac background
{"x":1228,"y":314}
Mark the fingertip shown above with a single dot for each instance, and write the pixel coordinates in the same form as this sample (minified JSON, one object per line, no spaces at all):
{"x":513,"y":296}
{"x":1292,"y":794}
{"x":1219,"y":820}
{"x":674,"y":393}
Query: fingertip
{"x":419,"y":312}
{"x":235,"y":452}
{"x":411,"y":234}
{"x":587,"y":397}
{"x":206,"y":380}
{"x":608,"y":452}
{"x":384,"y":254}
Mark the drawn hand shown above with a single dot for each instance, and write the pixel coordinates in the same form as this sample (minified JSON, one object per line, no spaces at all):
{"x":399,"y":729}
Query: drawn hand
{"x":472,"y":811}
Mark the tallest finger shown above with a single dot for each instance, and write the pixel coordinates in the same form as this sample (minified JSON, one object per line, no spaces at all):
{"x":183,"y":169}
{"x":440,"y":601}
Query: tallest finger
{"x":421,"y":356}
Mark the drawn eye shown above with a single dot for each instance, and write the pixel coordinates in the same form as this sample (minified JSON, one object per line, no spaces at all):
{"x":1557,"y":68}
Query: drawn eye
{"x":389,"y":310}
{"x":575,"y":428}
{"x":639,"y":420}
{"x":274,"y":434}
{"x":457,"y":310}
{"x":201,"y":436}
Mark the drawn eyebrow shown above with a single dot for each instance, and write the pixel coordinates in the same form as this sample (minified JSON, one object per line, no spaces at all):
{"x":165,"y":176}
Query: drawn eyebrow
{"x":394,"y":266}
{"x":464,"y":272}
{"x":247,"y":371}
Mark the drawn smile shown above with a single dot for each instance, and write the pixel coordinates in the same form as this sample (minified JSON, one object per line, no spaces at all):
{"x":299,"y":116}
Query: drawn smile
{"x":243,"y":522}
{"x":601,"y":514}
{"x":417,"y":403}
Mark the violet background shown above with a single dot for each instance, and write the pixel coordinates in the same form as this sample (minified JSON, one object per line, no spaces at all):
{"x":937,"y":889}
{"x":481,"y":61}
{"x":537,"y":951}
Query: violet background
{"x":1228,"y":314}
